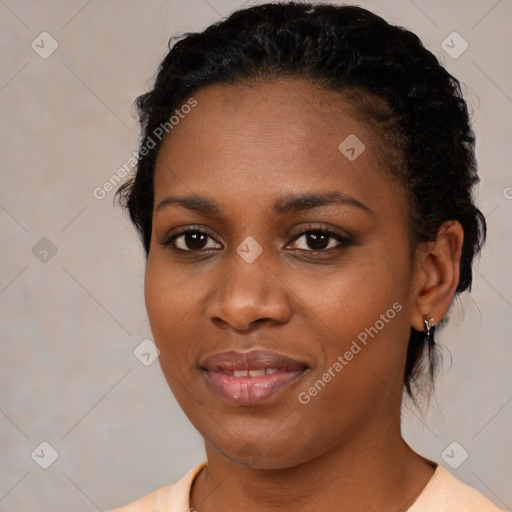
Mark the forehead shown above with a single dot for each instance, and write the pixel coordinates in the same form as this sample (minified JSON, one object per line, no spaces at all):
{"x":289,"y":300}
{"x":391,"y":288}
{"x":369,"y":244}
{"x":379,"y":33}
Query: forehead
{"x":292,"y":110}
{"x":262,"y":139}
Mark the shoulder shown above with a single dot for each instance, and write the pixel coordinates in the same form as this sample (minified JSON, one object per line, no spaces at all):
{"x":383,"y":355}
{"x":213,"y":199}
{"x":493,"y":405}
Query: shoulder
{"x":171,"y":497}
{"x":445,"y":492}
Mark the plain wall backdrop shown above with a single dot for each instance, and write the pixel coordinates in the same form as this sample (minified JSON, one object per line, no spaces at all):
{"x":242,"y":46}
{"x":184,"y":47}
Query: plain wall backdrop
{"x":72,"y":269}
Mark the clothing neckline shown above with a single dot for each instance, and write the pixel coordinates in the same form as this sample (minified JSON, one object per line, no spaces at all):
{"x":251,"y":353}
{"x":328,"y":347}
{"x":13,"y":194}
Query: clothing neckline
{"x":437,"y":471}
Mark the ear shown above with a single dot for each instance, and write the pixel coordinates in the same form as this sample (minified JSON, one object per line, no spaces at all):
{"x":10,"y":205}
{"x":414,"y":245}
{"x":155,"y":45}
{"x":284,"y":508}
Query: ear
{"x":437,"y":273}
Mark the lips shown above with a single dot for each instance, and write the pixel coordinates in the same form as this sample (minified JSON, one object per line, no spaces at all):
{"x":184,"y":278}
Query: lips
{"x":253,"y":360}
{"x":250,"y":378}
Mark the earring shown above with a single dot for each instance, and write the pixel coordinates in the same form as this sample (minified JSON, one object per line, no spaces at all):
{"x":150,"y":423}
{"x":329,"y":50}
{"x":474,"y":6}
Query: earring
{"x":429,"y":329}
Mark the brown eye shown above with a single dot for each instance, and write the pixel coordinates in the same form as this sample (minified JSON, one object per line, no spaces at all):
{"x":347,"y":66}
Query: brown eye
{"x":320,"y":240}
{"x":191,"y":241}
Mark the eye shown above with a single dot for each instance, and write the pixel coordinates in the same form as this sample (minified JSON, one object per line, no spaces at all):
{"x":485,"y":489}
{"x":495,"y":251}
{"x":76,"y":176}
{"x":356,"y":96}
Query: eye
{"x":312,"y":240}
{"x":192,"y":241}
{"x":321,"y":240}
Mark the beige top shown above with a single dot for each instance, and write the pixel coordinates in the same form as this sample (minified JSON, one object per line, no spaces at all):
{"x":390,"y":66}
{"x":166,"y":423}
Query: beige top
{"x":443,"y":493}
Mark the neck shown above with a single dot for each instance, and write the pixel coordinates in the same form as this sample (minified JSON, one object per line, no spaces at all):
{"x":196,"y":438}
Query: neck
{"x":377,"y":471}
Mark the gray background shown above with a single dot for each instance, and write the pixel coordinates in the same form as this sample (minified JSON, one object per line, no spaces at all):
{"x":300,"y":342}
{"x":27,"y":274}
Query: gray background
{"x":70,"y":323}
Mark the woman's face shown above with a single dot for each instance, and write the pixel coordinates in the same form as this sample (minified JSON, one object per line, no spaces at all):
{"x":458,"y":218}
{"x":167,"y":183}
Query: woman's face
{"x":256,"y":271}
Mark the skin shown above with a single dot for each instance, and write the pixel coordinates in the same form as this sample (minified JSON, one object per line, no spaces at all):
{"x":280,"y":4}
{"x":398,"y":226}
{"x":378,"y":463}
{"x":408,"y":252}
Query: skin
{"x":244,"y":147}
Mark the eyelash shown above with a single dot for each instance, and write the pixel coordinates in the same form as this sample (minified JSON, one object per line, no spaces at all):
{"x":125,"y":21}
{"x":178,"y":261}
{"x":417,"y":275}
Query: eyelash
{"x":344,"y":241}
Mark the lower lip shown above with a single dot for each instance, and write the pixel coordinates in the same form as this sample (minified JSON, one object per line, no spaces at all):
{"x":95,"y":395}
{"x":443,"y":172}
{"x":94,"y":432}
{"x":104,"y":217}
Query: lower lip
{"x":251,"y":390}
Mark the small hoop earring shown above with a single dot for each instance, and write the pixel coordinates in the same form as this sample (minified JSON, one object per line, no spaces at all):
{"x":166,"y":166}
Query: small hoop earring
{"x":429,"y":329}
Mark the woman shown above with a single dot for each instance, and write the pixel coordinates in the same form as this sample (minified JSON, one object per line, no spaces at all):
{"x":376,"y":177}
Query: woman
{"x":304,"y":197}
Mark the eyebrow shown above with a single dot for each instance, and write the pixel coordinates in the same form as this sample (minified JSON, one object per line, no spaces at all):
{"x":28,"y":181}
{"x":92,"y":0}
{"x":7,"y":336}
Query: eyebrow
{"x":283,"y":205}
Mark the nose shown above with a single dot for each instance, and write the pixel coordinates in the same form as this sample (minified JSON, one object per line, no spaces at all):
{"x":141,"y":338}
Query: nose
{"x":248,"y":295}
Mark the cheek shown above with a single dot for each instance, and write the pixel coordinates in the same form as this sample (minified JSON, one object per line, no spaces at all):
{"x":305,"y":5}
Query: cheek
{"x":350,"y":299}
{"x":159,"y":296}
{"x":168,"y":303}
{"x":170,"y":293}
{"x":363,"y":344}
{"x":361,"y":315}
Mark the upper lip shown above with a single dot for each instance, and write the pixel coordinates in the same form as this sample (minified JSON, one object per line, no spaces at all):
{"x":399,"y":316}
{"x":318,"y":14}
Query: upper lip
{"x":254,"y":360}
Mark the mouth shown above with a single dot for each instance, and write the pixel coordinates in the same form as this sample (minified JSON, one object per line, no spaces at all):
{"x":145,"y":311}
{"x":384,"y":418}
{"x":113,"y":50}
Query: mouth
{"x":251,"y":378}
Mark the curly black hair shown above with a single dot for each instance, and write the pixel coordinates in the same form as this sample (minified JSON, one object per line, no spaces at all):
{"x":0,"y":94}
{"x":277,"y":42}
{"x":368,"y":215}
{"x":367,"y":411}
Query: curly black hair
{"x":415,"y":107}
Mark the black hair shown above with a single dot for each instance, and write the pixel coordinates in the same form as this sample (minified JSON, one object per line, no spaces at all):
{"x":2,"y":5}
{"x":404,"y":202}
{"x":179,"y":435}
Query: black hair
{"x":414,"y":105}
